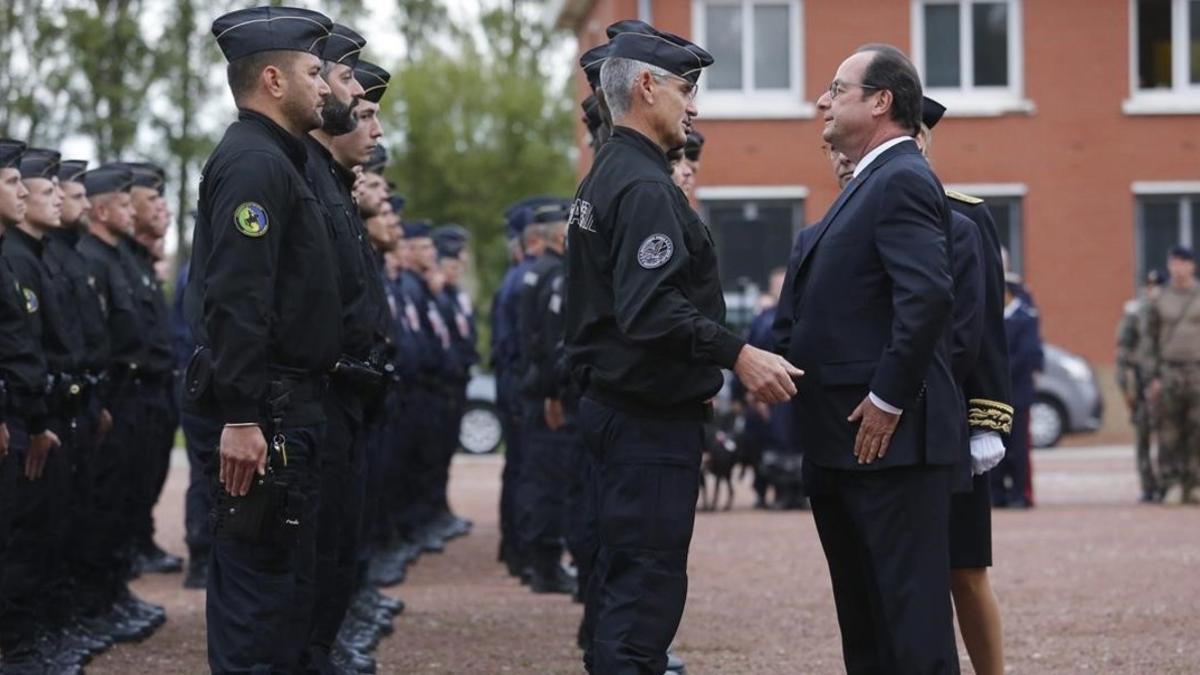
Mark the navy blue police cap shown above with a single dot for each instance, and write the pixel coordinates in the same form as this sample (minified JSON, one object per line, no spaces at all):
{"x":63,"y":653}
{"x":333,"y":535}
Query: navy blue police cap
{"x":259,"y":29}
{"x":147,"y":175}
{"x":451,"y":231}
{"x":344,"y":46}
{"x":418,"y":229}
{"x":377,"y":162}
{"x":397,"y":202}
{"x":591,"y":62}
{"x":520,"y":214}
{"x":551,"y":213}
{"x":40,"y":163}
{"x":1177,"y":252}
{"x":693,"y":145}
{"x":931,"y":112}
{"x":71,"y":170}
{"x":374,"y":80}
{"x":450,"y":240}
{"x":668,"y":51}
{"x":10,"y":153}
{"x":114,"y":177}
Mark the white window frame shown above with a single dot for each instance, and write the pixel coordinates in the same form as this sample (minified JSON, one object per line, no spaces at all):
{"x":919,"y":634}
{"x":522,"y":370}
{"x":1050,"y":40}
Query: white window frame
{"x":968,"y":100}
{"x":750,"y":103}
{"x":1185,"y":192}
{"x":1183,"y":98}
{"x":1018,"y":191}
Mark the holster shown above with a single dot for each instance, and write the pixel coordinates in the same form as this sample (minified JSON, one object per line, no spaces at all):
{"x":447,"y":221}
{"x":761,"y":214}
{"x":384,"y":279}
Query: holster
{"x":361,"y":376}
{"x":271,"y":512}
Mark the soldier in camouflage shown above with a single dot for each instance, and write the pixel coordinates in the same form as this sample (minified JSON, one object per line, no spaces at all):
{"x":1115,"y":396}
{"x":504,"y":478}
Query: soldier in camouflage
{"x":1133,"y":371}
{"x":1173,"y":332}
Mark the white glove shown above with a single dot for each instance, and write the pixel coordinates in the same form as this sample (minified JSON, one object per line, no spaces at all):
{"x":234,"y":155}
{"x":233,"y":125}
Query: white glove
{"x":986,"y":452}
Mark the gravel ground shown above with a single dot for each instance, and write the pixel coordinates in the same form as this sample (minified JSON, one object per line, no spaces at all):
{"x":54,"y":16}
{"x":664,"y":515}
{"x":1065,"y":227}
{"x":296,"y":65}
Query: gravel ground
{"x":1089,"y":582}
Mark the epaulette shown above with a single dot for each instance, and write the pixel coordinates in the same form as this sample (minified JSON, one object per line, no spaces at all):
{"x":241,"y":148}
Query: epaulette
{"x":1132,"y":307}
{"x":960,"y":197}
{"x":989,"y":415}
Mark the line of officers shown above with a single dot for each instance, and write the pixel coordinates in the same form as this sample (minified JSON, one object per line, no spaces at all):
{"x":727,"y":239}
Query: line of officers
{"x":308,"y":315}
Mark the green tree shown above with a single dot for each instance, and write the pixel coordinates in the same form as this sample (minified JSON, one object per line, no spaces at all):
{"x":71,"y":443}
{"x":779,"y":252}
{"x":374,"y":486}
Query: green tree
{"x":479,"y":127}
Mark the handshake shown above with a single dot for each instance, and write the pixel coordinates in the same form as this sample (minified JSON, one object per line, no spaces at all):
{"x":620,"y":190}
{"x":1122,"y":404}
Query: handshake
{"x":768,"y":376}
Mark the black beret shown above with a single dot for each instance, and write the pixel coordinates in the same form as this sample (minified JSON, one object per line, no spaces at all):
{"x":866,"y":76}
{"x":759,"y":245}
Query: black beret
{"x":343,"y":46}
{"x":417,"y":229}
{"x":629,"y":26}
{"x":377,"y":162}
{"x":1182,"y":253}
{"x":115,"y":177}
{"x":40,"y":163}
{"x":10,"y":153}
{"x":147,"y":175}
{"x":591,"y":112}
{"x":931,"y":112}
{"x":70,"y":170}
{"x":693,"y":145}
{"x":591,"y":61}
{"x":374,"y":80}
{"x":397,"y":202}
{"x":259,"y":29}
{"x":665,"y":50}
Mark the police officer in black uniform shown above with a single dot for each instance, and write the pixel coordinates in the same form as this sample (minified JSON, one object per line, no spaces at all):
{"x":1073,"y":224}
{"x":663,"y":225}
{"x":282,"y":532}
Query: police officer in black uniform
{"x":159,"y":413}
{"x":645,"y":339}
{"x":24,"y":440}
{"x":117,"y":465}
{"x":358,"y":378}
{"x":85,"y":322}
{"x":263,"y":303}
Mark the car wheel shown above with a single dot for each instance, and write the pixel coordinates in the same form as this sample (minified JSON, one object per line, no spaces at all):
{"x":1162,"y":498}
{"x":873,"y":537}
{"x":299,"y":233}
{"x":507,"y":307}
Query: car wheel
{"x":480,"y":432}
{"x":1047,"y":422}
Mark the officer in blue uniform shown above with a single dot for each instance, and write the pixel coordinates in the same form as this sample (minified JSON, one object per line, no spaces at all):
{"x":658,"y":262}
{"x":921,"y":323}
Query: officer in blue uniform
{"x":1010,"y":480}
{"x":546,"y":467}
{"x":506,"y":354}
{"x":458,"y":313}
{"x":263,"y":303}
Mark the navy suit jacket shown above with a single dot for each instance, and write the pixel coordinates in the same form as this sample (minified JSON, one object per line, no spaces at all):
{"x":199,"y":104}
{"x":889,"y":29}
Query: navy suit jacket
{"x":867,"y":308}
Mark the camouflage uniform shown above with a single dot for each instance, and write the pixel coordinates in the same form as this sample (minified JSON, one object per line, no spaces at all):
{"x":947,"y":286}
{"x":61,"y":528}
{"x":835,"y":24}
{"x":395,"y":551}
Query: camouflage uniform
{"x":1132,"y":370}
{"x":1173,"y":330}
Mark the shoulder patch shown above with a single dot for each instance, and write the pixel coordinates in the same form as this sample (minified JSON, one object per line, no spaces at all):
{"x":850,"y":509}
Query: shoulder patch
{"x":655,"y":251}
{"x":251,"y":219}
{"x":960,"y":197}
{"x":31,"y":300}
{"x":530,"y":278}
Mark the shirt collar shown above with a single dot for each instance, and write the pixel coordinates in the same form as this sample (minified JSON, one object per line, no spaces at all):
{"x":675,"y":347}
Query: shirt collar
{"x":1012,"y":307}
{"x":291,"y":144}
{"x":879,"y":150}
{"x":639,"y":141}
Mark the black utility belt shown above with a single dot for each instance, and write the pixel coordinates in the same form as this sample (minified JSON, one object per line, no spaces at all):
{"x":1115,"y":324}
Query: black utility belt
{"x":700,"y":412}
{"x":126,"y":373}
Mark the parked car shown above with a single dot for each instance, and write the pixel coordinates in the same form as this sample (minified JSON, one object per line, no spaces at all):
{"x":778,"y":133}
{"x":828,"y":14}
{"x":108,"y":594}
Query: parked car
{"x":1067,"y":399}
{"x":480,"y":432}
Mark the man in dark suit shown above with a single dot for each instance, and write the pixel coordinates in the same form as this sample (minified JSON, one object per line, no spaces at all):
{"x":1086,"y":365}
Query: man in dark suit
{"x":865,"y":312}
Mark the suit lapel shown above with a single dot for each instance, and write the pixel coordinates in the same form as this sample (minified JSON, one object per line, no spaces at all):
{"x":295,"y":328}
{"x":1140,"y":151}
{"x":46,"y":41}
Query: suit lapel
{"x":823,"y":226}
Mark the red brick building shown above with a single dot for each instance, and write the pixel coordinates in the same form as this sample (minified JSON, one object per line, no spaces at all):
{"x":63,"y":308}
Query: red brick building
{"x":1078,"y":120}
